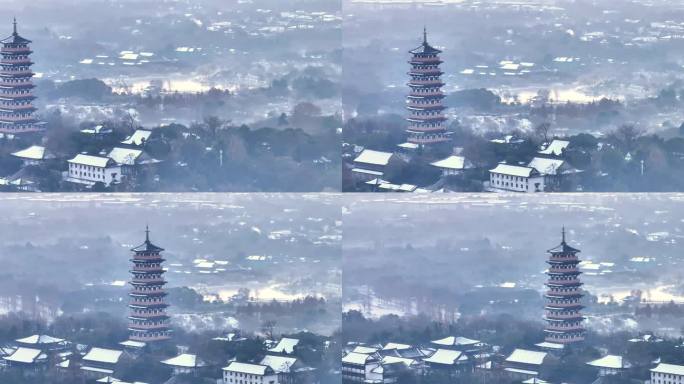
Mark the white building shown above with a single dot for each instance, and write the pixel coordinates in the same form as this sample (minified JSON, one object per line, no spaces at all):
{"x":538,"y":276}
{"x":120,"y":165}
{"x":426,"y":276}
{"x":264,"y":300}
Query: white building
{"x":556,"y":148}
{"x":139,"y":137}
{"x":371,"y":164}
{"x":245,"y":373}
{"x":88,"y":170}
{"x":667,"y":374}
{"x":610,"y":365}
{"x":356,"y":367}
{"x":34,"y":155}
{"x":514,"y":178}
{"x":184,"y":364}
{"x":524,"y":364}
{"x":100,"y":362}
{"x":452,"y":165}
{"x":286,"y":345}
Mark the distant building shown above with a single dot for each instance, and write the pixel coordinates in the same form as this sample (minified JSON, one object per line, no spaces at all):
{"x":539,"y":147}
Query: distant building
{"x":100,"y":362}
{"x":185,"y":364}
{"x":286,"y":346}
{"x":130,"y":160}
{"x":138,"y":138}
{"x":515,"y":178}
{"x":452,"y":165}
{"x":610,"y":365}
{"x":370,"y":164}
{"x":553,"y":170}
{"x":458,"y":343}
{"x":88,"y":170}
{"x":356,"y":366}
{"x":26,"y":358}
{"x":555,"y":148}
{"x":667,"y":374}
{"x":426,"y":119}
{"x":446,"y":359}
{"x":43,"y":342}
{"x":34,"y":155}
{"x":245,"y":373}
{"x":148,"y":321}
{"x":98,"y":131}
{"x":16,"y":87}
{"x":564,"y":320}
{"x":523,"y":364}
{"x":289,"y":369}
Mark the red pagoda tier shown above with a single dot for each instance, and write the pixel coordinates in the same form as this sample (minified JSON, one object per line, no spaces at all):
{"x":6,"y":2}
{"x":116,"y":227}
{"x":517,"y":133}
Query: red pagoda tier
{"x":564,"y":320}
{"x":16,"y":96}
{"x":427,"y":122}
{"x":148,"y":320}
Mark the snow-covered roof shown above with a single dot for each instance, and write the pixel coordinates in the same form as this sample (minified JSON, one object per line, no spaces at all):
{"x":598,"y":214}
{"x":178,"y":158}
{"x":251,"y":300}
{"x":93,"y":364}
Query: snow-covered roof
{"x":546,"y":166}
{"x":103,"y":355}
{"x":556,"y":147}
{"x":447,"y":357}
{"x":535,"y":380}
{"x":609,"y":361}
{"x":285,"y":345}
{"x":94,"y":161}
{"x":408,"y":145}
{"x":279,"y":364}
{"x":133,"y":344}
{"x":110,"y":379}
{"x":185,"y":360}
{"x":34,"y":152}
{"x":369,"y":156}
{"x":671,"y":369}
{"x":251,"y":369}
{"x":455,"y":341}
{"x":367,"y":172}
{"x":452,"y":162}
{"x":356,"y":358}
{"x":124,"y":156}
{"x":24,"y":355}
{"x":364,"y":349}
{"x":138,"y":137}
{"x":396,"y":359}
{"x":39,"y":339}
{"x":525,"y":356}
{"x":513,"y":170}
{"x":548,"y":345}
{"x":389,"y":346}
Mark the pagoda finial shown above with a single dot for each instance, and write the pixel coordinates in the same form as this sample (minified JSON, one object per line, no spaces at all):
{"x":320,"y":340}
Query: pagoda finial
{"x":563,"y":234}
{"x":147,"y":233}
{"x":15,"y":26}
{"x":424,"y":35}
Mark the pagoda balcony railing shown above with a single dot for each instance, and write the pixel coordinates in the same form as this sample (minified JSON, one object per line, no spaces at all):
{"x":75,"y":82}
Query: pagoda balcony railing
{"x":148,"y":315}
{"x":156,"y":292}
{"x":29,"y":119}
{"x":555,"y":317}
{"x":560,"y":271}
{"x":148,"y":257}
{"x":426,"y":94}
{"x":16,"y":61}
{"x":565,"y":340}
{"x":149,"y":338}
{"x":148,"y":326}
{"x":148,"y":281}
{"x":576,"y":328}
{"x":418,"y":129}
{"x":428,"y":139}
{"x":15,"y":108}
{"x":421,"y":72}
{"x":569,"y":257}
{"x":426,"y":106}
{"x":577,"y":294}
{"x":16,"y":84}
{"x":16,"y":49}
{"x":16,"y":95}
{"x":147,"y":304}
{"x":148,"y":269}
{"x":552,"y":306}
{"x":564,"y":282}
{"x":417,"y":59}
{"x":435,"y":83}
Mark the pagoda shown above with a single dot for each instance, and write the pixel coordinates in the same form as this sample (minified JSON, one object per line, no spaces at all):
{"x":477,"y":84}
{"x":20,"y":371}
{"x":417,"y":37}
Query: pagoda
{"x":16,"y":96}
{"x":564,"y":321}
{"x":426,"y":120}
{"x":148,"y":320}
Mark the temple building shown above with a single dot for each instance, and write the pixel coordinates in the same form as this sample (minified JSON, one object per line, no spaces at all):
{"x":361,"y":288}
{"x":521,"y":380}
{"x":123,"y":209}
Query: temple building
{"x":148,"y":321}
{"x":564,"y":321}
{"x":427,"y":122}
{"x":16,"y":96}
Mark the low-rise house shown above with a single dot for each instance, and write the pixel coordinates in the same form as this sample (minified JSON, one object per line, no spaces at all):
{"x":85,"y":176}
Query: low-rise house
{"x":356,"y":366}
{"x":246,"y":373}
{"x":138,"y":138}
{"x":555,"y":148}
{"x":100,"y":362}
{"x":371,"y":164}
{"x":667,"y":374}
{"x":446,"y":359}
{"x":289,"y":369}
{"x":98,"y":131}
{"x":524,"y":364}
{"x":130,"y":159}
{"x":610,"y":365}
{"x":515,"y":178}
{"x":452,"y":165}
{"x":27,"y":358}
{"x":185,"y":364}
{"x":459,"y":343}
{"x":286,"y":346}
{"x":88,"y":170}
{"x":34,"y":155}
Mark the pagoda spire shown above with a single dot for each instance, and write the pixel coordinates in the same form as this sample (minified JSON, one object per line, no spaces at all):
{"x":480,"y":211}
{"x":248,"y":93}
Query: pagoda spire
{"x":15,"y":26}
{"x":424,"y":35}
{"x":147,"y":233}
{"x":563,"y":235}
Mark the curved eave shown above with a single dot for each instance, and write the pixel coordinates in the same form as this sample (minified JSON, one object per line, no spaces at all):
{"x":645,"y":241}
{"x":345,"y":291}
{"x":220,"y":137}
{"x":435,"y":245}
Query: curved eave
{"x":148,"y":261}
{"x":160,"y":317}
{"x":430,"y":120}
{"x":426,"y":108}
{"x":431,"y":85}
{"x":425,"y":97}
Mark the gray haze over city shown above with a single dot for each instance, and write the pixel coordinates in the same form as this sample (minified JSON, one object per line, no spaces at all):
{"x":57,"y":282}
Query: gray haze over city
{"x":453,"y":256}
